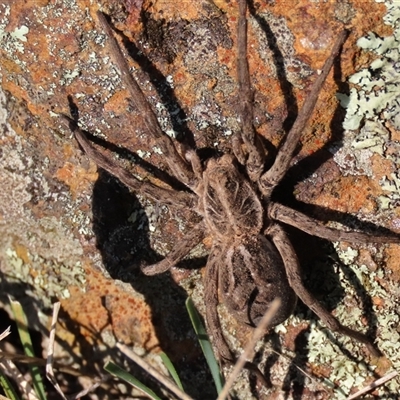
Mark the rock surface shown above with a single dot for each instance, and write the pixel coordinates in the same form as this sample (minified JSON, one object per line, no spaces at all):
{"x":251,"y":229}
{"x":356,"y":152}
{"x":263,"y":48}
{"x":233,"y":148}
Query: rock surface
{"x":73,"y":233}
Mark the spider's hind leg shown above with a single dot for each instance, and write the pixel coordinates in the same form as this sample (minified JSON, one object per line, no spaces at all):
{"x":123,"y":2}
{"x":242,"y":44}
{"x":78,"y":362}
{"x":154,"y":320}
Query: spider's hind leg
{"x":211,"y":301}
{"x":292,"y":267}
{"x":316,"y":228}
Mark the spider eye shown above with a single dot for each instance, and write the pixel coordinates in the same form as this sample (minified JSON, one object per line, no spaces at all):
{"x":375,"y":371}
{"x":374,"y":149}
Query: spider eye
{"x":231,"y":186}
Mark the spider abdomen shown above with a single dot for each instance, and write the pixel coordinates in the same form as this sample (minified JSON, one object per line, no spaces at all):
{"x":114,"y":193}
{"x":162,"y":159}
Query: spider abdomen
{"x":251,"y":276}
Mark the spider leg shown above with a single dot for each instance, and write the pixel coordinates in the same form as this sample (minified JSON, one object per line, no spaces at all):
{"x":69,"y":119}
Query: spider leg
{"x":292,"y":267}
{"x":253,"y":146}
{"x":168,"y":197}
{"x":178,"y":165}
{"x":313,"y":227}
{"x":274,"y":175}
{"x":180,"y":250}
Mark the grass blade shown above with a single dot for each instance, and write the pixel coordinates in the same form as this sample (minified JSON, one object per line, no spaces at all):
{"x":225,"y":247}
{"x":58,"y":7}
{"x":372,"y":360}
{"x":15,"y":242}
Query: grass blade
{"x":171,"y":369}
{"x":205,"y":344}
{"x":8,"y":388}
{"x":127,"y":377}
{"x":22,"y":326}
{"x":159,"y":377}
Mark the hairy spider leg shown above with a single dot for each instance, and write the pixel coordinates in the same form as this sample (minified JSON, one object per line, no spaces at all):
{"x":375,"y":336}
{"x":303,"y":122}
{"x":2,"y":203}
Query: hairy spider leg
{"x":271,"y":178}
{"x":168,"y":197}
{"x":253,"y":153}
{"x":180,"y":168}
{"x":180,"y":250}
{"x":291,"y":262}
{"x":287,"y":215}
{"x":211,"y":299}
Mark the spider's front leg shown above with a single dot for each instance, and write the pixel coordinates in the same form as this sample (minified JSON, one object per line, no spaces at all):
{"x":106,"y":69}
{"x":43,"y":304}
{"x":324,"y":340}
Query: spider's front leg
{"x":180,"y":250}
{"x":247,"y":145}
{"x":271,"y":178}
{"x":178,"y":164}
{"x":169,"y":197}
{"x":292,"y":266}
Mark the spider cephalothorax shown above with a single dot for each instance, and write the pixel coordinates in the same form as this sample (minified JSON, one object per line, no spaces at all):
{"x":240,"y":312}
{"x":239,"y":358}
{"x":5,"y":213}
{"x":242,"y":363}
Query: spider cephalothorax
{"x":251,"y":260}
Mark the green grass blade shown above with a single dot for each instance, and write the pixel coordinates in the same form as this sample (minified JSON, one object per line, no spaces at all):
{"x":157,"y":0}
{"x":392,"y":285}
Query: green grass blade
{"x":8,"y":388}
{"x":127,"y":377}
{"x":25,"y":337}
{"x":171,"y":369}
{"x":205,"y":344}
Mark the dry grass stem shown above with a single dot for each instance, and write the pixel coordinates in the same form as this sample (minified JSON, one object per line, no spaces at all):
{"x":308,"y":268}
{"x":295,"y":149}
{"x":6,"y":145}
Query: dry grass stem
{"x":11,"y":370}
{"x":5,"y":333}
{"x":50,"y":351}
{"x":374,"y":385}
{"x":88,"y":390}
{"x":248,"y":352}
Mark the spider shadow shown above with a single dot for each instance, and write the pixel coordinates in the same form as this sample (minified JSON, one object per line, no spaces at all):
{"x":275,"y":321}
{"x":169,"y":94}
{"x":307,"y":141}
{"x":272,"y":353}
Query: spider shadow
{"x":320,"y":268}
{"x":122,"y":233}
{"x":294,"y":382}
{"x":278,"y":60}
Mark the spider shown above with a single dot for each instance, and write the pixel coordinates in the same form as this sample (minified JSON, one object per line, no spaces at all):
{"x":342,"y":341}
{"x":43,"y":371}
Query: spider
{"x":251,"y":260}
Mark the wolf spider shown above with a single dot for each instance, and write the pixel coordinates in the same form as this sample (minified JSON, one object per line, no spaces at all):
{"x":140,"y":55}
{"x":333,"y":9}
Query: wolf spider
{"x":252,"y":260}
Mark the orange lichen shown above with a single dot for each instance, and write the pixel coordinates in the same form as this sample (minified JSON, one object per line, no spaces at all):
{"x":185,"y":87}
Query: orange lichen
{"x":294,"y":332}
{"x":117,"y":103}
{"x":349,"y":194}
{"x":76,"y":177}
{"x":172,"y":10}
{"x":392,"y":257}
{"x":126,"y":315}
{"x":22,"y":252}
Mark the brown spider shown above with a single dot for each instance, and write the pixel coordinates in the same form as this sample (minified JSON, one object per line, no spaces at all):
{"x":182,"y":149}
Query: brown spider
{"x":251,"y":261}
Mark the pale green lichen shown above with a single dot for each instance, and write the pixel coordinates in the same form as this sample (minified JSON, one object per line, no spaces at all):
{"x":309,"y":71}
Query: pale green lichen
{"x":12,"y":42}
{"x":355,"y":158}
{"x":372,"y":107}
{"x":379,"y":83}
{"x":348,"y":374}
{"x":387,"y":318}
{"x":20,"y":33}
